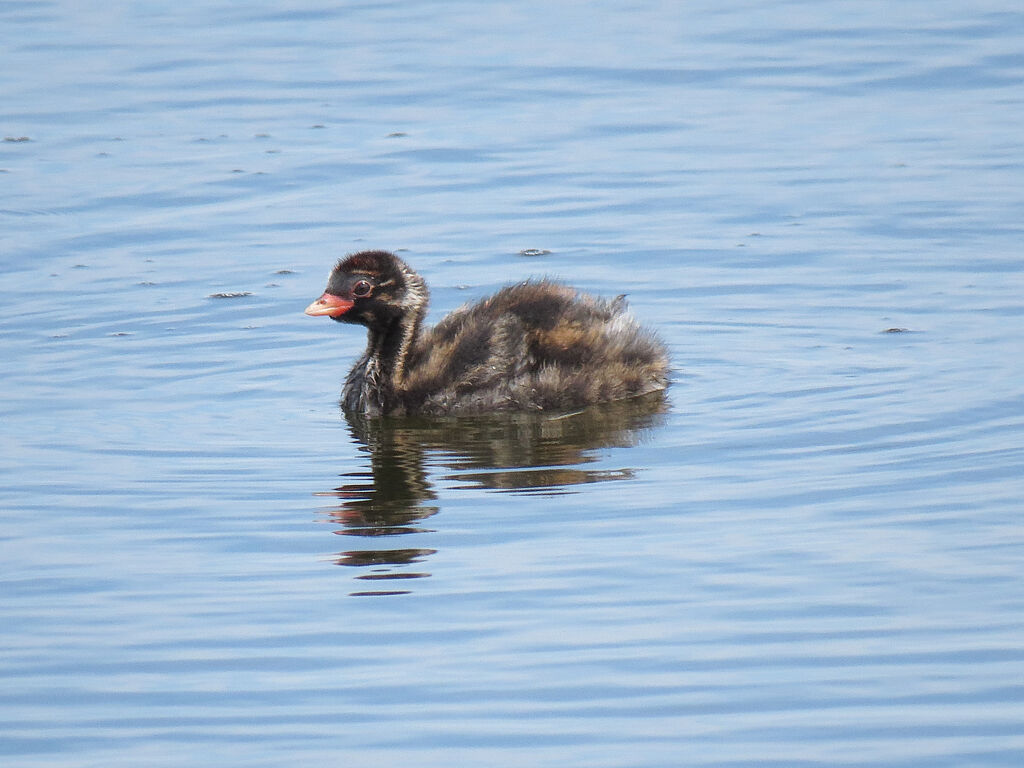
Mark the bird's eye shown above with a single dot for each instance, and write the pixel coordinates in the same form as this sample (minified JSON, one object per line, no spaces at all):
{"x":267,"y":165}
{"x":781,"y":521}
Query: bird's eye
{"x":362,"y":289}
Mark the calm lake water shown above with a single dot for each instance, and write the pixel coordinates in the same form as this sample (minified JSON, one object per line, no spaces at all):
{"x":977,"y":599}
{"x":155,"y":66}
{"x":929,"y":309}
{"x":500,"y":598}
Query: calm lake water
{"x":809,"y":553}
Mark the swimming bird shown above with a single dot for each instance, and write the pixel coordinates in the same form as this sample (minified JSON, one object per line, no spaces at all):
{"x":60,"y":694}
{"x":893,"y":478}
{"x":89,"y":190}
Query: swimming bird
{"x":535,"y":345}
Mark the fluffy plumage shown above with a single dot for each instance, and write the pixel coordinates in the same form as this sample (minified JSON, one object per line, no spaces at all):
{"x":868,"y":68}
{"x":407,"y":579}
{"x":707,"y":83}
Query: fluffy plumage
{"x":537,"y":345}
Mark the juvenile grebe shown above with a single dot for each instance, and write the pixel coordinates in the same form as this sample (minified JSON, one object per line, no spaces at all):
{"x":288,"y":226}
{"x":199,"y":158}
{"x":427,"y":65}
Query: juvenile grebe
{"x":536,"y":345}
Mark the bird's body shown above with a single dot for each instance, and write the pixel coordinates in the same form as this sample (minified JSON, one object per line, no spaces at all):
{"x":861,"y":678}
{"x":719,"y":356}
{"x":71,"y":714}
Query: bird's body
{"x":536,"y":345}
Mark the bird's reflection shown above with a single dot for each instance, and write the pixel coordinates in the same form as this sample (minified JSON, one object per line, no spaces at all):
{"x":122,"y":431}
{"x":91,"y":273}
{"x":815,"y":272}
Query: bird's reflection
{"x":517,"y":453}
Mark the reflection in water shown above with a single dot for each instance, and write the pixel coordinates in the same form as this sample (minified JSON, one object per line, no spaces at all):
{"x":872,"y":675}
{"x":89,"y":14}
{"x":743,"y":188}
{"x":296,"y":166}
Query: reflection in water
{"x":517,"y":453}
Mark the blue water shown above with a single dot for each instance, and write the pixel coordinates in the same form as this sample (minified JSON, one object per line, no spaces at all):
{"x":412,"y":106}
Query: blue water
{"x":808,"y":554}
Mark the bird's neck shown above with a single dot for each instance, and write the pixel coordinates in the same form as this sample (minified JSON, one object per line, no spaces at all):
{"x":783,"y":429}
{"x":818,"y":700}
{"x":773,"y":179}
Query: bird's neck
{"x":390,"y":345}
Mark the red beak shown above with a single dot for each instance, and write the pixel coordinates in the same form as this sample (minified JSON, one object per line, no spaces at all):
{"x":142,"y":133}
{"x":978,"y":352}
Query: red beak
{"x":329,"y":305}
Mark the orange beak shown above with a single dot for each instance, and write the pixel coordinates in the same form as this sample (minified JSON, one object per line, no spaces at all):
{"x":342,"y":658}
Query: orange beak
{"x":329,"y":305}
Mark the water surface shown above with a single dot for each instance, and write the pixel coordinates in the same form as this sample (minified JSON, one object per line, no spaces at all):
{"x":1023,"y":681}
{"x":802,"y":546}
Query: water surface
{"x":808,"y":553}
